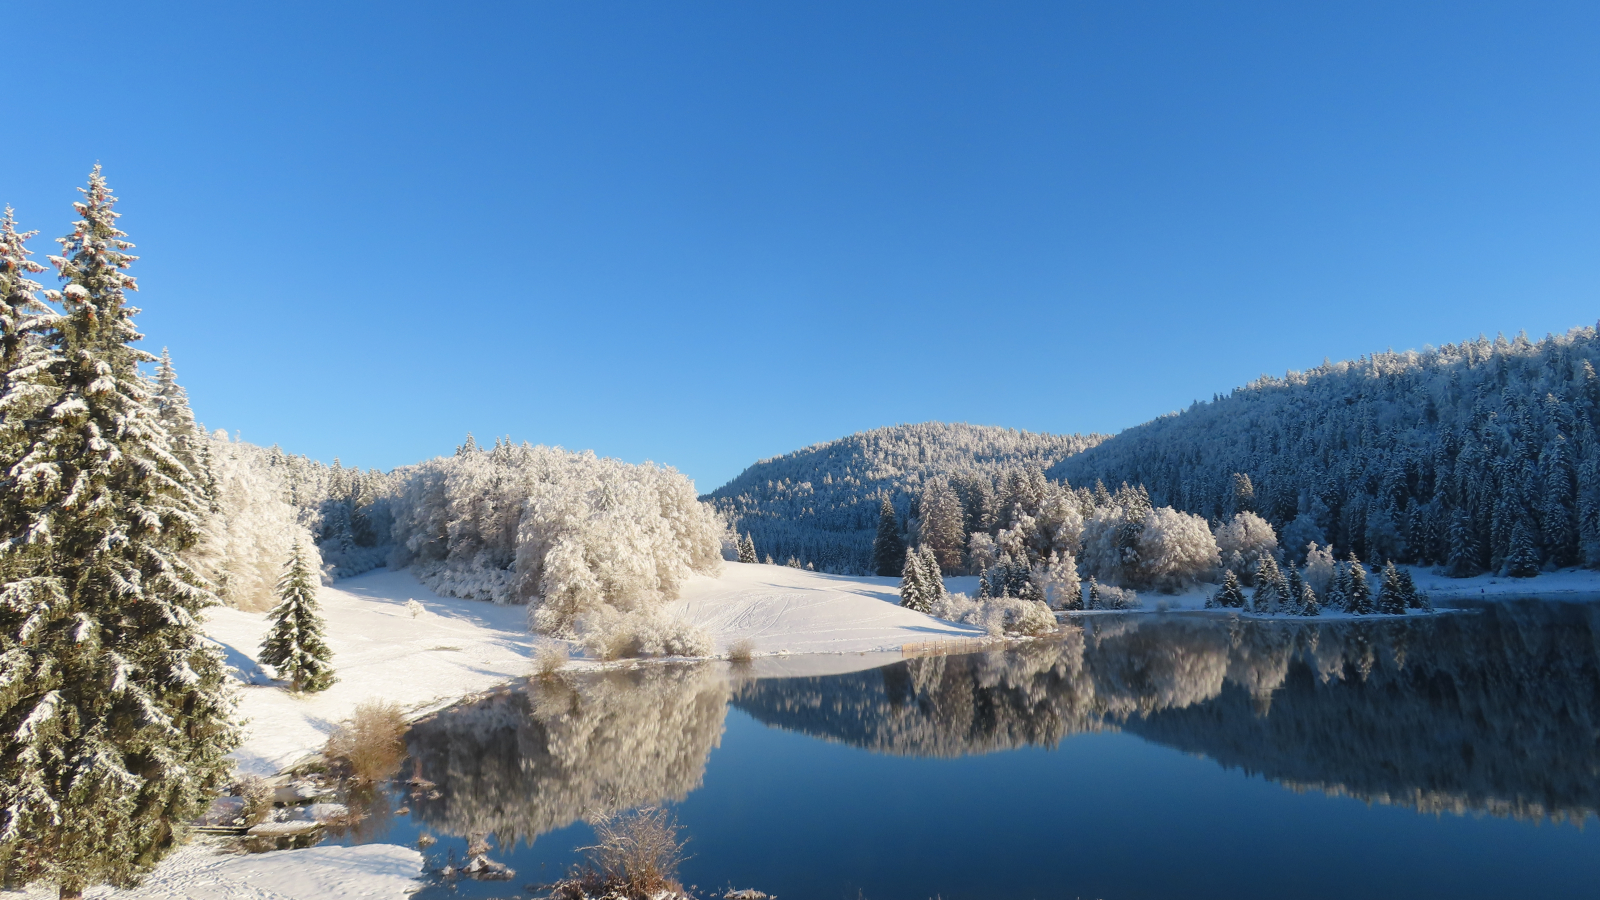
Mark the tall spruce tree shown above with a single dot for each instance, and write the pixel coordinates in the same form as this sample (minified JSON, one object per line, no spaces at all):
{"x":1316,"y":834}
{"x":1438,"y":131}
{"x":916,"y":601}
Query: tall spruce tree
{"x":1359,"y":598}
{"x":913,"y":592}
{"x":1230,"y":595}
{"x":1391,"y":592}
{"x":932,"y":577}
{"x":1270,"y":590}
{"x":115,"y":722}
{"x":888,"y":550}
{"x":747,"y":550}
{"x":1522,"y":561}
{"x":294,"y":644}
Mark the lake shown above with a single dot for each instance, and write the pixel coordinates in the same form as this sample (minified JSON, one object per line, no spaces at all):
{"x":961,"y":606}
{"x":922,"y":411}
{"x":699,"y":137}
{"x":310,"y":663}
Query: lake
{"x":1132,"y":756}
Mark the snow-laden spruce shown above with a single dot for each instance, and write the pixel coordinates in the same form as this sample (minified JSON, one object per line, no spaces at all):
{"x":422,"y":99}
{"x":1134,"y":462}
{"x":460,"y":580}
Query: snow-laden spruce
{"x":294,"y":645}
{"x":594,"y":546}
{"x":114,"y":719}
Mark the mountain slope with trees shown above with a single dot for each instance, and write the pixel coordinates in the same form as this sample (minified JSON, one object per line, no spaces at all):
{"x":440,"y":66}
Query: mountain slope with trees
{"x":821,"y":505}
{"x":1478,"y":456}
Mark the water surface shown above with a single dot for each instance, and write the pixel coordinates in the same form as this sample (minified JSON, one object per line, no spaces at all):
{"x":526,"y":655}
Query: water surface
{"x":1142,"y":756}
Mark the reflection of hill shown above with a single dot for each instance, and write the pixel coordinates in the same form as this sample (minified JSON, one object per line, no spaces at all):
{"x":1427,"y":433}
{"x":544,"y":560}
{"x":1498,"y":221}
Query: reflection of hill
{"x":520,"y":763}
{"x":1496,"y":711}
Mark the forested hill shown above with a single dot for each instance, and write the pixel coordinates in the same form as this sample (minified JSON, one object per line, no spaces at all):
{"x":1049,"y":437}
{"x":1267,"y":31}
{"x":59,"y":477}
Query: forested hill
{"x":1478,"y":456}
{"x":820,"y":504}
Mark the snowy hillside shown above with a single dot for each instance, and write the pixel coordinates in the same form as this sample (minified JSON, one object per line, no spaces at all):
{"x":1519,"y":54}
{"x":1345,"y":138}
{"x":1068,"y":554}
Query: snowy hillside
{"x":1475,"y":456}
{"x":820,"y":504}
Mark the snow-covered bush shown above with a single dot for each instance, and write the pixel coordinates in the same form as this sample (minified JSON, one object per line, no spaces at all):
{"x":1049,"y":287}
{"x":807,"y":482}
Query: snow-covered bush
{"x":1106,"y":596}
{"x":999,"y":615}
{"x":1176,"y":550}
{"x":1242,"y":540}
{"x":593,"y":545}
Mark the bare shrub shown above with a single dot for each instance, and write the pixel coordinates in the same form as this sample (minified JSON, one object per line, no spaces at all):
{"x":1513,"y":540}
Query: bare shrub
{"x":371,"y":742}
{"x":257,"y":795}
{"x":549,"y":658}
{"x":637,"y":854}
{"x":742,"y":650}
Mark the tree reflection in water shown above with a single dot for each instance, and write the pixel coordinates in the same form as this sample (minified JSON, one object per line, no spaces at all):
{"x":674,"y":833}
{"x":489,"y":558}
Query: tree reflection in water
{"x":1496,"y":710}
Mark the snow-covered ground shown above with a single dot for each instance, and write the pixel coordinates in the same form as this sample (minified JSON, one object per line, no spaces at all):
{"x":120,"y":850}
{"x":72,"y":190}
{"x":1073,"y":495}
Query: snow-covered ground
{"x":199,"y":872}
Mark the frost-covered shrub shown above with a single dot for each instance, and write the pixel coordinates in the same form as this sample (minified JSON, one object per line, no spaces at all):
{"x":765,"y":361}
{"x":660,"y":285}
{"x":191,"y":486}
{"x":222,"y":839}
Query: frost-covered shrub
{"x":1007,"y":615}
{"x":1112,"y":597}
{"x":1242,"y":540}
{"x":593,"y":545}
{"x":610,"y":633}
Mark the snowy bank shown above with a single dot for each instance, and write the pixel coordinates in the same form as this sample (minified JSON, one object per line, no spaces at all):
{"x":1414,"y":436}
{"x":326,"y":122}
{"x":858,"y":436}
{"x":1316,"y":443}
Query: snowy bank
{"x":199,"y":872}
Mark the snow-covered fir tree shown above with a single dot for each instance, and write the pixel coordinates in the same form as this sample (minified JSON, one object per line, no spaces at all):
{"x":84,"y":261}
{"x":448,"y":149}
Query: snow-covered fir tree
{"x":294,"y":645}
{"x":1359,"y":598}
{"x":932,"y":576}
{"x":1294,"y":591}
{"x":915,"y":592}
{"x":1523,"y":559}
{"x":1391,"y":593}
{"x":888,"y":549}
{"x":114,"y":719}
{"x":1271,"y":590}
{"x":747,"y":550}
{"x":1229,"y":595}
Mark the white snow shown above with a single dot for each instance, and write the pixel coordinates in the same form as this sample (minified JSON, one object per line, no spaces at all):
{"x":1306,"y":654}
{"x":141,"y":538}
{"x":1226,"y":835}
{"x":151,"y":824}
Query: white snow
{"x":779,"y":609}
{"x":198,"y":872}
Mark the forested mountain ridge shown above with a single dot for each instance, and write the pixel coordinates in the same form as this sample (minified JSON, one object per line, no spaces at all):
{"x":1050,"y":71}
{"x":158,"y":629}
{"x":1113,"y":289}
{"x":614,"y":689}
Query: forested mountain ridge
{"x":1477,"y":456}
{"x":820,"y":504}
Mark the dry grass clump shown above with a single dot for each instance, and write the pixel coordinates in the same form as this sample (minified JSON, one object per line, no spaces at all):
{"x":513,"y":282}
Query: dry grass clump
{"x":549,"y":658}
{"x":257,"y":795}
{"x":742,"y":650}
{"x":636,"y":856}
{"x":371,"y":742}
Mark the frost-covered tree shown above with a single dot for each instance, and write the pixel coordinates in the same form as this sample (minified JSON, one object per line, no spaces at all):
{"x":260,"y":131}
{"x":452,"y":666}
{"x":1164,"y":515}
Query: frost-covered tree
{"x":1391,"y":592}
{"x":1523,"y":560}
{"x":942,"y":527}
{"x":932,"y":577}
{"x":253,"y":527}
{"x":1359,"y":598}
{"x":1294,"y":591}
{"x":1271,"y":589}
{"x":1176,"y":550}
{"x":888,"y":550}
{"x":115,"y":722}
{"x":1058,"y":583}
{"x":1318,"y":570}
{"x":747,"y":550}
{"x":914,"y":590}
{"x":294,"y":645}
{"x":1242,"y":540}
{"x":1229,"y":595}
{"x":1414,"y":599}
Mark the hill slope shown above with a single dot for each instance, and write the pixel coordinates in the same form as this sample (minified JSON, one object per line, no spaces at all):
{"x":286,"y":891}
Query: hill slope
{"x":1478,"y":456}
{"x":820,"y":504}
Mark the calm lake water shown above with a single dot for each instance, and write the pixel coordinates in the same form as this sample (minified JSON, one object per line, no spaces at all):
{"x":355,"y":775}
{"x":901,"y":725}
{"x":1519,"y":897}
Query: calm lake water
{"x":1456,"y":755}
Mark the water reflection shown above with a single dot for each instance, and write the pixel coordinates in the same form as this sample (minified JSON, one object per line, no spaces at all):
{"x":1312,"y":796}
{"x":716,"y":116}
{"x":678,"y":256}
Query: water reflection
{"x":1495,"y":711}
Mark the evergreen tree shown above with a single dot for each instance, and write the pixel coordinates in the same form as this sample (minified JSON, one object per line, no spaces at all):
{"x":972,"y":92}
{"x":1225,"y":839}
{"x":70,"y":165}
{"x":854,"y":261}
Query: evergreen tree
{"x":1270,"y":589}
{"x":1522,"y":560}
{"x":1463,"y":541}
{"x":1230,"y":595}
{"x":1391,"y":593}
{"x":888,"y":550}
{"x":22,"y":316}
{"x":983,"y":586}
{"x":1094,"y":588}
{"x":747,"y":550}
{"x":294,"y":645}
{"x":1308,"y":601}
{"x":115,"y":722}
{"x":1359,"y":598}
{"x":1339,"y":590}
{"x":1414,"y":598}
{"x":189,"y":443}
{"x":1294,"y":591}
{"x":913,"y":593}
{"x":932,"y":577}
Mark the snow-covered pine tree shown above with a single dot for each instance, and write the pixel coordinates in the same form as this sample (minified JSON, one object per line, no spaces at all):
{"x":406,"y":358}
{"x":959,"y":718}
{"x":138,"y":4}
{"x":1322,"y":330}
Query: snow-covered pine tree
{"x":1463,"y":542}
{"x":913,"y":593}
{"x":932,"y":577}
{"x":1391,"y":593}
{"x":1308,"y":601}
{"x":943,"y":530}
{"x":1339,"y":587}
{"x":888,"y":550}
{"x":1414,"y":598}
{"x":1230,"y":595}
{"x":1094,"y":587}
{"x":26,"y":360}
{"x":1270,"y":590}
{"x":294,"y":645}
{"x":983,"y":586}
{"x":189,"y":443}
{"x":1359,"y":598}
{"x":22,"y":316}
{"x":115,"y":722}
{"x":1058,"y":582}
{"x":1294,"y":591}
{"x":1522,"y":561}
{"x":747,"y":550}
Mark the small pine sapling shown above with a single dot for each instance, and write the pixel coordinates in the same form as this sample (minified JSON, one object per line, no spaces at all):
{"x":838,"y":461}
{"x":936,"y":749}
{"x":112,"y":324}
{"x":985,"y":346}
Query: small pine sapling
{"x":294,"y":645}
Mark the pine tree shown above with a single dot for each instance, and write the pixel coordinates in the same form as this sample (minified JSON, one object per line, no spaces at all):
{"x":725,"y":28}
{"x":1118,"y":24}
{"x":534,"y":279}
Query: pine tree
{"x":1308,"y":601}
{"x":888,"y":550}
{"x":1359,"y":599}
{"x":983,"y":586}
{"x":1463,"y":541}
{"x":1094,"y":588}
{"x":1294,"y":591}
{"x":22,"y":316}
{"x":913,"y":593}
{"x":1230,"y":595}
{"x":294,"y":644}
{"x":1414,"y":598}
{"x":932,"y":577}
{"x":1391,"y":593}
{"x":1522,"y":560}
{"x":747,"y":550}
{"x":189,"y":443}
{"x":1270,"y":588}
{"x":27,"y":358}
{"x":115,"y":721}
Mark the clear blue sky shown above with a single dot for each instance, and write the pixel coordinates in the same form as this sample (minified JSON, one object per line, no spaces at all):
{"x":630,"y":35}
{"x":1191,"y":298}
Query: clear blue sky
{"x":707,"y":233}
